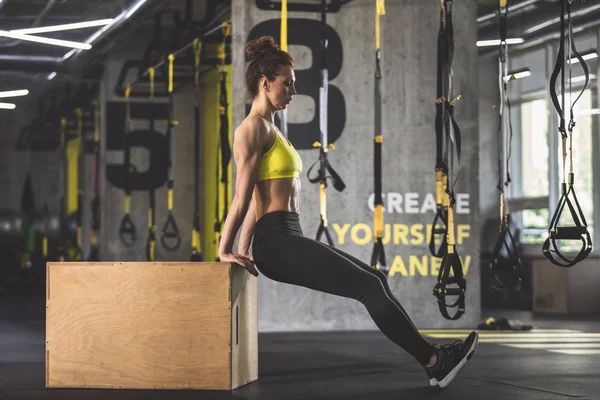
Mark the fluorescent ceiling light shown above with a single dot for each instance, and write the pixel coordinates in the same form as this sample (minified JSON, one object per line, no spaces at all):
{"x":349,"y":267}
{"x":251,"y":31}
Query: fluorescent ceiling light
{"x":581,"y":78}
{"x":557,"y":19}
{"x":496,"y":42}
{"x":65,"y":27}
{"x":51,"y":76}
{"x":134,"y":8}
{"x":7,"y":106}
{"x":589,"y":111}
{"x":588,"y":56}
{"x":39,"y":39}
{"x":69,"y":54}
{"x":510,"y":8}
{"x":517,"y":75}
{"x":14,"y":57}
{"x":125,"y":14}
{"x":14,"y":93}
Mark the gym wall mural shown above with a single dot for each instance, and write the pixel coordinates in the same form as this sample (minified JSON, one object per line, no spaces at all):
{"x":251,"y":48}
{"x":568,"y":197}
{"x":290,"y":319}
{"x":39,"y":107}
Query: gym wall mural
{"x":396,"y":236}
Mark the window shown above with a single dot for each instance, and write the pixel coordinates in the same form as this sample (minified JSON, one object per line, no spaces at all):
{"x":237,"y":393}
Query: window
{"x":534,"y":169}
{"x":534,"y":153}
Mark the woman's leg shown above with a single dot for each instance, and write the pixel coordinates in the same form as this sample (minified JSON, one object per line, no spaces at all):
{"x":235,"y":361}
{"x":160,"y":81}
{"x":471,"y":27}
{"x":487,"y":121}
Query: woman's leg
{"x":305,"y":262}
{"x":381,"y":277}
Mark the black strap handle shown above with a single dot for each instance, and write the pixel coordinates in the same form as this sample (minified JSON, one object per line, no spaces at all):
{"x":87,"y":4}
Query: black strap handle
{"x":512,"y":265}
{"x":170,"y":233}
{"x":127,"y":231}
{"x":451,"y":261}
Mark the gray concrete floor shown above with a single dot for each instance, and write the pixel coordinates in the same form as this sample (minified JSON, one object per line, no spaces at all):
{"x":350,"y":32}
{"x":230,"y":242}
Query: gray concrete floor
{"x":558,"y":360}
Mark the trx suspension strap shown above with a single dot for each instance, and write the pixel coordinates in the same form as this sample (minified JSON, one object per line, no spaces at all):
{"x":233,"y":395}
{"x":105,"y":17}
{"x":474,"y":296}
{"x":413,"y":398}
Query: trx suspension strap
{"x":196,"y":243}
{"x":324,"y":146}
{"x":95,"y":235}
{"x":441,"y":168}
{"x":71,"y":132}
{"x":27,"y":228}
{"x":151,"y":240}
{"x":170,"y":229}
{"x":284,"y":46}
{"x":579,"y":231}
{"x":224,"y":151}
{"x":127,"y":230}
{"x":378,"y":255}
{"x":511,"y":265}
{"x":452,"y":139}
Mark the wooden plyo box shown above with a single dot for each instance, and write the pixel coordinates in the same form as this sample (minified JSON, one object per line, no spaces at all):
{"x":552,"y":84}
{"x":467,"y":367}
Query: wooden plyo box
{"x":150,"y":325}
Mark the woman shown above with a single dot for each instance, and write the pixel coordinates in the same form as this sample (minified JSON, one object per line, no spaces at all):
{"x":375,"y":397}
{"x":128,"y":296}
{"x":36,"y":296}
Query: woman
{"x":267,"y":197}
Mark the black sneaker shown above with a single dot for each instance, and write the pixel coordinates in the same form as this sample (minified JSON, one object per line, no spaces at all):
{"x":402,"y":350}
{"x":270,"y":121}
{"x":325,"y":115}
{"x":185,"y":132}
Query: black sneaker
{"x":432,"y":380}
{"x":451,"y":359}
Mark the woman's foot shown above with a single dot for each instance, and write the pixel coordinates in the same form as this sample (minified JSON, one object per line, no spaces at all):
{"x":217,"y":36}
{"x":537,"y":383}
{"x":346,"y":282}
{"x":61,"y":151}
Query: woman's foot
{"x":450,"y":360}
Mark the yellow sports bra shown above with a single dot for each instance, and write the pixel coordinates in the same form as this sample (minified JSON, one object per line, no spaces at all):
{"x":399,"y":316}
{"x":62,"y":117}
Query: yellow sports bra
{"x":280,"y":161}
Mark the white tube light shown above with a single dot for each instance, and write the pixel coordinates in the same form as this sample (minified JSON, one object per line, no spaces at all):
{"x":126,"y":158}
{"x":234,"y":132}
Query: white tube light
{"x":134,"y":8}
{"x":517,"y":75}
{"x":51,"y":76}
{"x":13,"y":57}
{"x":581,"y":78}
{"x":590,"y":111}
{"x":496,"y":42}
{"x":39,"y":39}
{"x":64,"y":27}
{"x":14,"y":93}
{"x":589,"y":56}
{"x":125,"y":14}
{"x":7,"y":106}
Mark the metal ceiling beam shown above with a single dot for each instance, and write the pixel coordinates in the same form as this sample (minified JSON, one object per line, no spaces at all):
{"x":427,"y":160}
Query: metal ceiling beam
{"x":540,"y":26}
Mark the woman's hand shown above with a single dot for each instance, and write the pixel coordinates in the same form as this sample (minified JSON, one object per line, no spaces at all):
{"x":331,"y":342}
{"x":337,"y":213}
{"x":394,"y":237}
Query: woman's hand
{"x":245,"y":260}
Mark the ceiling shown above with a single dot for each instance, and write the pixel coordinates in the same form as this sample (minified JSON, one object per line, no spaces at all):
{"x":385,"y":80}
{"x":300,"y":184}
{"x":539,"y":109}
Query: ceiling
{"x":22,"y":62}
{"x":28,"y":65}
{"x":536,"y":21}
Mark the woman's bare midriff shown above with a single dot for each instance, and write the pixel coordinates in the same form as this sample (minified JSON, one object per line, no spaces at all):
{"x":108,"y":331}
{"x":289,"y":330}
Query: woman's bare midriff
{"x":277,"y":195}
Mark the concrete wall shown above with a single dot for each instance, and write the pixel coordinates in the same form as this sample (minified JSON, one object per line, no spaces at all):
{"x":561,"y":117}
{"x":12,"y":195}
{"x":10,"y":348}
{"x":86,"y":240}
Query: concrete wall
{"x":409,"y":32}
{"x":113,"y":249}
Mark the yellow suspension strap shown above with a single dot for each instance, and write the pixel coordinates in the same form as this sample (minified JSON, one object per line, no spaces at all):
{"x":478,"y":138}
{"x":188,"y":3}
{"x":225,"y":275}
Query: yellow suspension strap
{"x":151,"y":239}
{"x":127,"y":230}
{"x":551,"y":247}
{"x":440,"y":221}
{"x":196,"y":242}
{"x":510,"y":266}
{"x":452,"y":147}
{"x":283,"y":44}
{"x":324,"y":146}
{"x":224,"y":151}
{"x":171,"y":238}
{"x":72,"y":136}
{"x":378,"y":260}
{"x":95,"y":209}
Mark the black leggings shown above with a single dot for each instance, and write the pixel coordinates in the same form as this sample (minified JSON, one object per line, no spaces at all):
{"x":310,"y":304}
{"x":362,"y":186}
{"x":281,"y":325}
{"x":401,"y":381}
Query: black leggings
{"x":283,"y":254}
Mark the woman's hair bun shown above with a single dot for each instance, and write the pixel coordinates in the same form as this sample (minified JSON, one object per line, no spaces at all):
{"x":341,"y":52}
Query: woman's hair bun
{"x":261,"y":48}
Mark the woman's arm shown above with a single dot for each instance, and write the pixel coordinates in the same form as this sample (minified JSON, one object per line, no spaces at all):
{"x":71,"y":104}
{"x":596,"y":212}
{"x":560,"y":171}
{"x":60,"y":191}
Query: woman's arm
{"x":247,"y":230}
{"x":247,"y":149}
